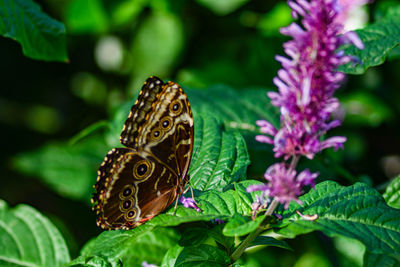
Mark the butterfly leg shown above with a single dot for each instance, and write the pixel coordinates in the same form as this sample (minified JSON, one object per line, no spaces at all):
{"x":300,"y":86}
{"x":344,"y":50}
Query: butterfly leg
{"x":176,"y":205}
{"x":191,"y":191}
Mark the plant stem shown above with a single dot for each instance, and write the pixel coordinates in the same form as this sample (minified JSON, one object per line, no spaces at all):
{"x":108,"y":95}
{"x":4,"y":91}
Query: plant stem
{"x":293,"y":163}
{"x":247,"y":241}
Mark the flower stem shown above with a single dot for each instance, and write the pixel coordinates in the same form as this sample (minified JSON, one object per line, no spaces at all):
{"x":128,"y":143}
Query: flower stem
{"x":247,"y":241}
{"x":295,"y":160}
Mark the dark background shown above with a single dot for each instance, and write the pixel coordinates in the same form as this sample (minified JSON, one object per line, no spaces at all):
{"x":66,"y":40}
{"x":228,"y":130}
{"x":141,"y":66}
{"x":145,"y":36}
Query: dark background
{"x":46,"y":101}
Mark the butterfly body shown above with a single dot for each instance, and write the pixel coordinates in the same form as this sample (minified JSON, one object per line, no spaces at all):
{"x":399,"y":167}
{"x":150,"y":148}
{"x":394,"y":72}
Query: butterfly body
{"x":137,"y":182}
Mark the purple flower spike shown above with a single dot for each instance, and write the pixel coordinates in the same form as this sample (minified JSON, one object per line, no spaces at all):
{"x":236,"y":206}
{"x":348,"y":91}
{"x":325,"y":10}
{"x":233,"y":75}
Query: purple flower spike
{"x":188,"y":202}
{"x":306,"y":84}
{"x":308,"y":80}
{"x":266,"y":128}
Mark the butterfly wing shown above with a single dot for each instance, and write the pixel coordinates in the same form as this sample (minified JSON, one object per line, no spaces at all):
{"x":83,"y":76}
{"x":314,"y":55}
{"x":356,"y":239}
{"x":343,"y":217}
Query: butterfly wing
{"x":159,"y":134}
{"x":140,"y":110}
{"x":136,"y":188}
{"x":167,"y":131}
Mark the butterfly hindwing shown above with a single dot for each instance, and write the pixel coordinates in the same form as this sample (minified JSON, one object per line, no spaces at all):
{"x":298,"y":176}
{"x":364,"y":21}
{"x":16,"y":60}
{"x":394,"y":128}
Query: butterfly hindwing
{"x":139,"y":187}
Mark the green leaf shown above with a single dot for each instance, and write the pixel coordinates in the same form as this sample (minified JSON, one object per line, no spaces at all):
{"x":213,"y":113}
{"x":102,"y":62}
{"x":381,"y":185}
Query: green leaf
{"x":379,"y":40}
{"x":193,"y":236}
{"x":156,"y":47}
{"x":129,"y":248}
{"x":350,"y":250}
{"x":226,"y":241}
{"x":171,"y":256}
{"x":70,"y":170}
{"x":27,"y":238}
{"x":276,"y":18}
{"x":238,"y":109}
{"x":220,"y":157}
{"x":40,"y":36}
{"x":392,"y":193}
{"x":214,"y":204}
{"x":122,"y":12}
{"x":202,"y":255}
{"x":356,"y":211}
{"x":381,"y":260}
{"x":86,"y":16}
{"x":270,"y":241}
{"x":365,"y":109}
{"x":241,"y":225}
{"x":114,"y":246}
{"x":94,"y":261}
{"x":222,"y":7}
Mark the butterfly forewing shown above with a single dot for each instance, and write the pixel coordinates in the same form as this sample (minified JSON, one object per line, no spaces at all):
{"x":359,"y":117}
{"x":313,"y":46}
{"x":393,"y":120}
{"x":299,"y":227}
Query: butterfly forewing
{"x":168,"y":135}
{"x":140,"y":110}
{"x":136,"y":183}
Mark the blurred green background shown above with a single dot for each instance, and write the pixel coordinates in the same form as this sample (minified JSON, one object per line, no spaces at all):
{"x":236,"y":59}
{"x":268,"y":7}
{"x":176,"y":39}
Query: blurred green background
{"x":114,"y":45}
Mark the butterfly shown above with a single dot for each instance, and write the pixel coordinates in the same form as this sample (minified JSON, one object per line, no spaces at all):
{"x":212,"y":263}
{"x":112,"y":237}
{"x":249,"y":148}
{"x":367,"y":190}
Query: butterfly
{"x":139,"y":181}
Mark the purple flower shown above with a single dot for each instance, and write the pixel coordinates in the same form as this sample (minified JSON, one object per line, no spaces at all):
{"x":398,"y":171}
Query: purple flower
{"x":188,"y":202}
{"x":219,"y":221}
{"x":262,"y":200}
{"x":284,"y":185}
{"x":145,"y":264}
{"x":308,"y":80}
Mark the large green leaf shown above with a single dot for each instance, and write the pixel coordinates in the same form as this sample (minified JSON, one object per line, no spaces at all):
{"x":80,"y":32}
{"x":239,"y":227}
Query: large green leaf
{"x":356,"y":211}
{"x":27,"y":238}
{"x":70,"y":170}
{"x":171,"y":256}
{"x":220,"y":157}
{"x":227,"y":242}
{"x":113,"y":247}
{"x":40,"y":36}
{"x":381,"y":260}
{"x":194,"y":236}
{"x":238,"y":109}
{"x":392,"y":193}
{"x":241,"y":225}
{"x":214,"y":204}
{"x":270,"y":241}
{"x":379,"y":39}
{"x":128,"y":248}
{"x":202,"y":255}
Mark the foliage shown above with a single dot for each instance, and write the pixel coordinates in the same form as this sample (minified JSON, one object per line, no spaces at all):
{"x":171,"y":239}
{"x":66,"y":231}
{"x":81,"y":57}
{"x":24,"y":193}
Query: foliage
{"x":392,"y":193}
{"x":379,"y":38}
{"x":41,"y":37}
{"x":222,"y":53}
{"x":29,"y":239}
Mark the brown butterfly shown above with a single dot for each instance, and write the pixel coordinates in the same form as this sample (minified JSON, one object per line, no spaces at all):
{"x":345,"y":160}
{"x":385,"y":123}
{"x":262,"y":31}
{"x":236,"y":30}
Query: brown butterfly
{"x":139,"y":181}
